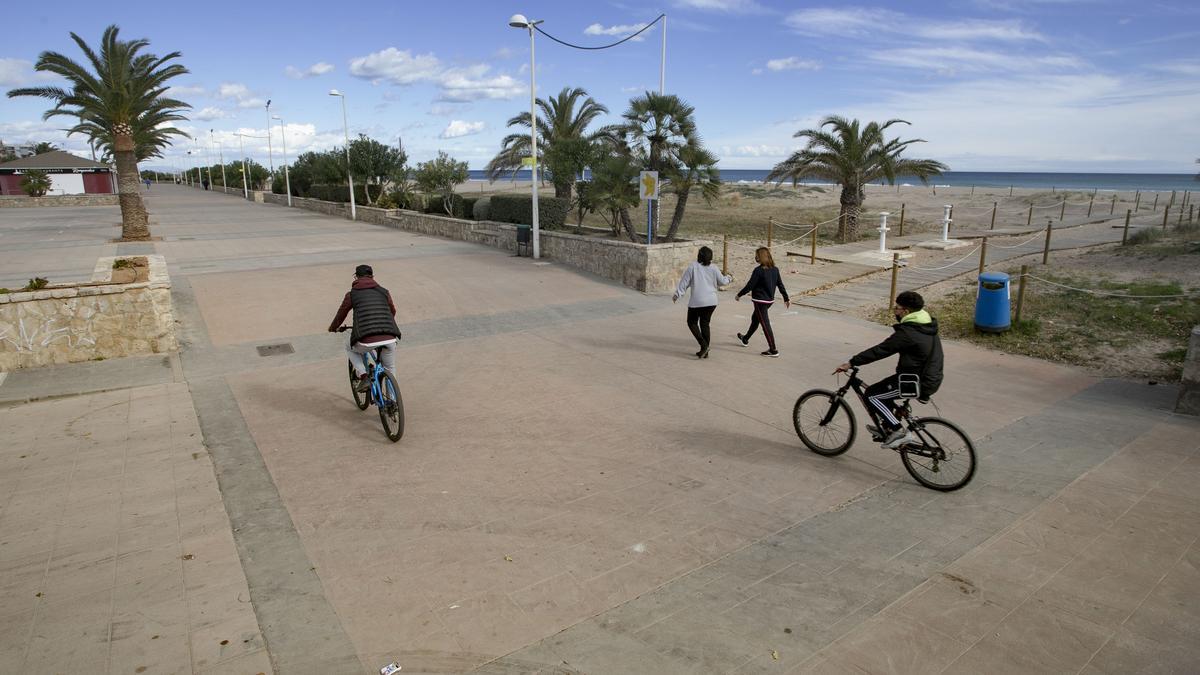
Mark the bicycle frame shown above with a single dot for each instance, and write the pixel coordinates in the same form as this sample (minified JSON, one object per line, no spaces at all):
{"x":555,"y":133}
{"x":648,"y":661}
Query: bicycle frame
{"x":376,"y":369}
{"x":858,"y":385}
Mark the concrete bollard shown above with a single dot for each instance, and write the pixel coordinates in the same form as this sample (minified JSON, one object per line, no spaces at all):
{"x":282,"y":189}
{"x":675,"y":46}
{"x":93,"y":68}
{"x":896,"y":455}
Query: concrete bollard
{"x":946,"y":222}
{"x":883,"y":230}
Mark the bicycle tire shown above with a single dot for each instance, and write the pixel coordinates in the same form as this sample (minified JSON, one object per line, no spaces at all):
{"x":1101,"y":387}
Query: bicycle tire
{"x":921,"y":467}
{"x":362,"y":399}
{"x":391,"y":407}
{"x":804,"y":421}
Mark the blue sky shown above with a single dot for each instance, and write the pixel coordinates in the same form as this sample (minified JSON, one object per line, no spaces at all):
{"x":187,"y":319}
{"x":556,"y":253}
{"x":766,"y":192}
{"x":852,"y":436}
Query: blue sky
{"x":1002,"y":85}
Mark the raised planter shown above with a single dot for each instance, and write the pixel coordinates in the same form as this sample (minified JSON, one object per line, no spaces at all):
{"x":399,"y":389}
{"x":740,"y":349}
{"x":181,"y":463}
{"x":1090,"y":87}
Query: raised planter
{"x":17,"y":202}
{"x":83,"y":322}
{"x":1189,"y":393}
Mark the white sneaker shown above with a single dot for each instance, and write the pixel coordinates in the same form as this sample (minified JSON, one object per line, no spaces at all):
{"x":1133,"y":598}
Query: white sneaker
{"x":899,"y":438}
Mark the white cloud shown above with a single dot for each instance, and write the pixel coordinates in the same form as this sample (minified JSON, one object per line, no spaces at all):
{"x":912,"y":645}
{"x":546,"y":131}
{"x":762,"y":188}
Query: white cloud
{"x":210,"y":113}
{"x":19,"y":72}
{"x":446,"y":109}
{"x":1185,"y":68}
{"x":504,"y":53}
{"x":844,"y":22}
{"x":315,"y":70}
{"x":871,"y":22}
{"x":252,"y":103}
{"x":728,"y":6}
{"x":233,"y":90}
{"x":396,"y":66}
{"x":472,"y":84}
{"x":617,"y":31}
{"x":952,"y":60}
{"x":792,"y":63}
{"x":634,"y":90}
{"x":183,"y":92}
{"x":458,"y":128}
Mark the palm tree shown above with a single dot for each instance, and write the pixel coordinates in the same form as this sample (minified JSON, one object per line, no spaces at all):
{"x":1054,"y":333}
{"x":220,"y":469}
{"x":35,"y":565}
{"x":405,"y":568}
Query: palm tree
{"x":44,"y":147}
{"x":119,"y":101}
{"x":559,"y":120}
{"x":852,"y":155}
{"x":696,"y":166}
{"x":657,"y":126}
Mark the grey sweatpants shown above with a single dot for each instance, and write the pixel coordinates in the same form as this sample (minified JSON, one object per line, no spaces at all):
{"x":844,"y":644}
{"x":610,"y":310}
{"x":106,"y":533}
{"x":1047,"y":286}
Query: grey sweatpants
{"x":355,"y":351}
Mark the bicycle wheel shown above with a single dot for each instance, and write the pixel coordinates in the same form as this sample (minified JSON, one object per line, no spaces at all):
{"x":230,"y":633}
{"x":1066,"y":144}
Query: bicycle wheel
{"x":824,"y":422}
{"x":945,"y":458}
{"x":391,"y":408}
{"x":362,"y":399}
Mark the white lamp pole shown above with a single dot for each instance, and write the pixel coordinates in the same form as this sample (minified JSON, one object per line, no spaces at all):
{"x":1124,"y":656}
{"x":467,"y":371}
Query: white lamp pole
{"x":270,"y":157}
{"x":519,"y":21}
{"x":221,"y":156}
{"x":662,"y":66}
{"x":242,"y":149}
{"x":287,"y":179}
{"x":346,"y":132}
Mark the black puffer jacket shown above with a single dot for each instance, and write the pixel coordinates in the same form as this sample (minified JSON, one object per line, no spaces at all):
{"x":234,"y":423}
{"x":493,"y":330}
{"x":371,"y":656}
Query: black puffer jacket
{"x":920,"y":351}
{"x":762,"y":284}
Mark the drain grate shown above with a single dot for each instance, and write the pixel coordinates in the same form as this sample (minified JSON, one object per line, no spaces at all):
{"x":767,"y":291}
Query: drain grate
{"x":275,"y":350}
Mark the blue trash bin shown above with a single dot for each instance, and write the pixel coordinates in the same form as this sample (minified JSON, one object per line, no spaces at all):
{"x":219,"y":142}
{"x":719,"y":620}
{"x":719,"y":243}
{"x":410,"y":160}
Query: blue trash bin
{"x":992,"y":303}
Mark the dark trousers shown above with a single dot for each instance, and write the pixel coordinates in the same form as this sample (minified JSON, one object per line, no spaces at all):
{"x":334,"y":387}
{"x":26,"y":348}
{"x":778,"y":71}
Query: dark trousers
{"x":760,"y":317}
{"x":698,"y":318}
{"x":883,"y":402}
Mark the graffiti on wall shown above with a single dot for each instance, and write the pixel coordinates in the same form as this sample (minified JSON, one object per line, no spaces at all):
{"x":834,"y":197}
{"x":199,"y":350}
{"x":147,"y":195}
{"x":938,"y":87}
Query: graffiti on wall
{"x":28,"y":339}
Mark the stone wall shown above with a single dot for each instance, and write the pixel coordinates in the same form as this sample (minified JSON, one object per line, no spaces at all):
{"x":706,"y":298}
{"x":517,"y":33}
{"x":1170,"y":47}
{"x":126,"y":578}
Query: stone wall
{"x":652,"y":269}
{"x":98,"y":320}
{"x":11,"y":201}
{"x":1189,"y":394}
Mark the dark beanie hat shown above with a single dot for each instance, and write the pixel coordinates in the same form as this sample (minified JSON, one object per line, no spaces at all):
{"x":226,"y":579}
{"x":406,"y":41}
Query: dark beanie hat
{"x":364,"y":271}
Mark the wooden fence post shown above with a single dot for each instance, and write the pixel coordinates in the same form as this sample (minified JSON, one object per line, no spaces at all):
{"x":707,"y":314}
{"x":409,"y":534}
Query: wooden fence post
{"x":1021,"y":292}
{"x":770,"y":231}
{"x":1155,"y":207}
{"x":1009,"y":190}
{"x":1090,"y":203}
{"x":993,"y":216}
{"x":1179,"y":222}
{"x":1125,"y":234}
{"x":1063,"y":212}
{"x":1137,"y":200}
{"x":725,"y":256}
{"x":1046,"y":250}
{"x":1166,"y":212}
{"x":1113,"y":208}
{"x":902,"y":219}
{"x":813,"y":258}
{"x":983,"y":255}
{"x":1191,"y":209}
{"x":895,"y":272}
{"x":1029,"y":220}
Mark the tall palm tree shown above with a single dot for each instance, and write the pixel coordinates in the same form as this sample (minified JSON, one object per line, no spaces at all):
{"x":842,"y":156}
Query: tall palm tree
{"x":656,"y":129}
{"x":118,"y":101}
{"x":851,"y":156}
{"x":696,"y":166}
{"x":559,"y":119}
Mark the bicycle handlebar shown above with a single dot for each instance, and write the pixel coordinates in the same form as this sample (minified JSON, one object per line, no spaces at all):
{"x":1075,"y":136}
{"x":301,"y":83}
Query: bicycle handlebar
{"x":343,"y":329}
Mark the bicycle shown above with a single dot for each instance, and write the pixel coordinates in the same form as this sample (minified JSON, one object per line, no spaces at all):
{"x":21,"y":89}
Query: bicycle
{"x":943,"y":458}
{"x":384,"y":393}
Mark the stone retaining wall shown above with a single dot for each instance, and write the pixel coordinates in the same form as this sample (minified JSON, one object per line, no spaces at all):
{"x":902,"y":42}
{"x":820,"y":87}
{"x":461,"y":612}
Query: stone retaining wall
{"x":85,"y":322}
{"x":1189,"y":394}
{"x":16,"y":202}
{"x":653,"y":269}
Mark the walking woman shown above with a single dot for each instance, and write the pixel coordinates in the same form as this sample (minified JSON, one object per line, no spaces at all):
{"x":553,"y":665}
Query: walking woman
{"x":704,"y":279}
{"x":761,"y":287}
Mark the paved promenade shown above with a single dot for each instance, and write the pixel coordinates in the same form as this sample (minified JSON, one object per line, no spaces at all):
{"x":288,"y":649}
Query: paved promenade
{"x":575,"y":492}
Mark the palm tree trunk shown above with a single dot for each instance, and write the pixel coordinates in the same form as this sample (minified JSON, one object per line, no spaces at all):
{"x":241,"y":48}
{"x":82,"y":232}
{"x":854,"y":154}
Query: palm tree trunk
{"x":628,"y":225}
{"x":135,"y":225}
{"x":851,"y":205}
{"x":681,"y":198}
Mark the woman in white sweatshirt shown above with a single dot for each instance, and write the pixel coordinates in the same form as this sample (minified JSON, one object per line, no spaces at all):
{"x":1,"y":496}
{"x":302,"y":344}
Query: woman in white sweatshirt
{"x":704,"y":279}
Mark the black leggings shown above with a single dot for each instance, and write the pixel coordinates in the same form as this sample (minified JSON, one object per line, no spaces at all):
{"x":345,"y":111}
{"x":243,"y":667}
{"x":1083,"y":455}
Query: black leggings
{"x":760,"y":317}
{"x":698,"y":318}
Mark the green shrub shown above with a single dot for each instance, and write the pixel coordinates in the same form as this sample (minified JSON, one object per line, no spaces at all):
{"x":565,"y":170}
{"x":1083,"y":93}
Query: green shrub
{"x":552,"y":211}
{"x":337,"y":193}
{"x":482,"y":209}
{"x":4,"y":290}
{"x":122,"y":263}
{"x":35,"y":183}
{"x":1144,"y":235}
{"x":436,"y":205}
{"x":468,"y":207}
{"x":386,"y":201}
{"x":35,"y":284}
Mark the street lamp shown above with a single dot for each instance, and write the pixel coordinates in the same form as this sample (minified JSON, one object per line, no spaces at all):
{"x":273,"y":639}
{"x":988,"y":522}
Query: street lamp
{"x":287,"y":180}
{"x":199,"y":177}
{"x":242,"y":149}
{"x":346,"y":132}
{"x":221,"y":156}
{"x":270,"y":158}
{"x":519,"y":21}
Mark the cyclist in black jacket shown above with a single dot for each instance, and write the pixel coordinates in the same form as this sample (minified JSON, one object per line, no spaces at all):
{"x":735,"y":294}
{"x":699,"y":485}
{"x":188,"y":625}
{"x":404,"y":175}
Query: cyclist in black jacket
{"x":915,"y":338}
{"x":761,"y":287}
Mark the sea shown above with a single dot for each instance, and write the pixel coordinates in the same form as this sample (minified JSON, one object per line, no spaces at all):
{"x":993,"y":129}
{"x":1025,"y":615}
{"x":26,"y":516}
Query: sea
{"x":1148,"y":182}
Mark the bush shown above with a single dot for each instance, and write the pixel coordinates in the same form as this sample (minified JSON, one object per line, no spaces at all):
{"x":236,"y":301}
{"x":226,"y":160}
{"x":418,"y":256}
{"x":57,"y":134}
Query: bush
{"x":552,"y":211}
{"x":436,"y":205}
{"x":482,"y":209}
{"x":1144,"y":236}
{"x":337,"y":193}
{"x":468,"y":207}
{"x":35,"y":183}
{"x":35,"y":284}
{"x":385,"y":201}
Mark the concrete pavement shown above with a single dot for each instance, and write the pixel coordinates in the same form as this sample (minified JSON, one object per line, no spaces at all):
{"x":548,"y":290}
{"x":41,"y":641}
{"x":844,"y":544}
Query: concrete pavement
{"x":575,"y":492}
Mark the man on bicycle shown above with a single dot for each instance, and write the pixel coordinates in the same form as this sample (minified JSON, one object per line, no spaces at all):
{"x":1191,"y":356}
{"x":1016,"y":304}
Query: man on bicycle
{"x":915,"y":338}
{"x":374,"y":324}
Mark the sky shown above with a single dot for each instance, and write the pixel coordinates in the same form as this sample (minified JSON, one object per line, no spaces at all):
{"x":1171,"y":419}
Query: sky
{"x":990,"y":85}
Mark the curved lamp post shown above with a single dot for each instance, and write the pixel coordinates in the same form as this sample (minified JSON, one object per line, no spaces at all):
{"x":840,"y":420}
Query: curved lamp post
{"x":519,"y":21}
{"x":346,"y":132}
{"x":287,"y":179}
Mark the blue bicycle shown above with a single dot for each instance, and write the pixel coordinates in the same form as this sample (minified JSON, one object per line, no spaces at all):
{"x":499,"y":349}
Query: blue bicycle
{"x":384,"y":393}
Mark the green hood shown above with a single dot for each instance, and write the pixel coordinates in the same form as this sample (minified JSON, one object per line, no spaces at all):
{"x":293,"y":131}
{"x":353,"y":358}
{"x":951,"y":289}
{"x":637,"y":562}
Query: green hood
{"x":919,"y":317}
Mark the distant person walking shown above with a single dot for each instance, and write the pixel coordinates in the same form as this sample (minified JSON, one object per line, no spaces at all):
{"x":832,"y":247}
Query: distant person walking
{"x":204,"y":182}
{"x":704,"y":279}
{"x":762,"y":285}
{"x":147,"y":182}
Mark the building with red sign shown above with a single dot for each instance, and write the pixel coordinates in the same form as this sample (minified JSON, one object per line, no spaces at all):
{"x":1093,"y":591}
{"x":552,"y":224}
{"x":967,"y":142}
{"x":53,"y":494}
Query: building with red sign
{"x":69,"y":175}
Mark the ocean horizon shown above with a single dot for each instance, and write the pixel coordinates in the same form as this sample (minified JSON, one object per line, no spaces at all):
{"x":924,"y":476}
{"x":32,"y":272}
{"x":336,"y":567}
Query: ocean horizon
{"x":1148,"y":182}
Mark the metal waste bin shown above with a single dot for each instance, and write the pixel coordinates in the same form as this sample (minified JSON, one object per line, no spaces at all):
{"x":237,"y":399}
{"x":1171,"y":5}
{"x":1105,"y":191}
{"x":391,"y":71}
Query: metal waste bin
{"x":524,"y":238}
{"x":992,"y":303}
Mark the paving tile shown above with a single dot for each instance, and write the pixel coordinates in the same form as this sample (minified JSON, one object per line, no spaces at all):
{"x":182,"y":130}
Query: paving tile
{"x":1130,"y":653}
{"x":1047,"y":635}
{"x":956,"y":608}
{"x":897,"y":645}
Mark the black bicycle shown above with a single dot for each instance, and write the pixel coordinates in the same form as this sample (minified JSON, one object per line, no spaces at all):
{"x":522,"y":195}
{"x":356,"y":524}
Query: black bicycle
{"x":942,"y":457}
{"x":384,"y":392}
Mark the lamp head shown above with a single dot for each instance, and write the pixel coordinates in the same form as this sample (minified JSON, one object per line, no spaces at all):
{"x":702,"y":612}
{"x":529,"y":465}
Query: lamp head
{"x":518,"y":21}
{"x":268,"y":104}
{"x":334,"y":92}
{"x":276,"y":117}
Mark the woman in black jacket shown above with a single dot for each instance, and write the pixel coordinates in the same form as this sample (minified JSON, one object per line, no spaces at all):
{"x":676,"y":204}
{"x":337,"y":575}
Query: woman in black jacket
{"x":761,"y":287}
